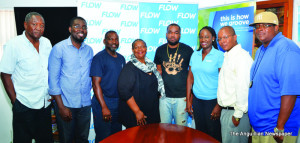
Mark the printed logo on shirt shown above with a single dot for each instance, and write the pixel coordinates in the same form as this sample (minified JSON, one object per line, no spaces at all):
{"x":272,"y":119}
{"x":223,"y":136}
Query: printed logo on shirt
{"x":174,"y":65}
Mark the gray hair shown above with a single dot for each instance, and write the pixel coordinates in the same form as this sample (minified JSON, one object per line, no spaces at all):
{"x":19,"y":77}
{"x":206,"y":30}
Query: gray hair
{"x":136,"y":40}
{"x":30,"y":14}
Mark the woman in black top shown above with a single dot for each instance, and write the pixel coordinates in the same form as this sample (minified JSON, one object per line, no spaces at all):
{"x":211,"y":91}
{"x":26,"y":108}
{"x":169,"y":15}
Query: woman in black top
{"x":140,"y":86}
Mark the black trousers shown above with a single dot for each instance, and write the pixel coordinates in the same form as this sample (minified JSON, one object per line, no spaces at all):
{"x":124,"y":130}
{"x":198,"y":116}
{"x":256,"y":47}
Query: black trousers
{"x":202,"y":110}
{"x":31,"y":124}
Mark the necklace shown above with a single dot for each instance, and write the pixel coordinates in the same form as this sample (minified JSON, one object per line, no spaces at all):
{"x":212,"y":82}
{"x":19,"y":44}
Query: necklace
{"x":255,"y":69}
{"x":169,"y":54}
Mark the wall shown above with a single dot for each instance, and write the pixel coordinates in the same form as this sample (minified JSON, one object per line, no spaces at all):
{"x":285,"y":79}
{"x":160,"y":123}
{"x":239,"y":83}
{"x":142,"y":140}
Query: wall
{"x":9,"y":4}
{"x":5,"y":106}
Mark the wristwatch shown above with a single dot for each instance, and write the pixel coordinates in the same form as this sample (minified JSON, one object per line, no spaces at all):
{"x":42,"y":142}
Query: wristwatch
{"x":236,"y":119}
{"x":278,"y":131}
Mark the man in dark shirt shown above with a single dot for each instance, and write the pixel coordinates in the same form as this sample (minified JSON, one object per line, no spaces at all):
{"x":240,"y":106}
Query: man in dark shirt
{"x":105,"y":69}
{"x":172,"y":60}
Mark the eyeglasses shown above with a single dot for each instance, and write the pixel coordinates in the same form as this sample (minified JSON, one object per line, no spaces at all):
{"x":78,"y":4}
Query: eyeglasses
{"x":223,"y":38}
{"x":262,"y":26}
{"x":77,"y":27}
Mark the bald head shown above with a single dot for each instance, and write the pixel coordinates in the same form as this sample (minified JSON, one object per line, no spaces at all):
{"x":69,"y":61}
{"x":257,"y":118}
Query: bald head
{"x":230,"y":30}
{"x":227,"y":38}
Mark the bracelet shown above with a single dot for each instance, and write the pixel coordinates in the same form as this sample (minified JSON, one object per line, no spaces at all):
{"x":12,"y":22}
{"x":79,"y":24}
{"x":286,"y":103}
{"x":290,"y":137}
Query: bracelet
{"x":236,"y":119}
{"x":278,"y":131}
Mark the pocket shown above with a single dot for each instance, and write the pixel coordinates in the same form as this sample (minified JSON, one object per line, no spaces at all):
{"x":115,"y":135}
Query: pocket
{"x":19,"y":107}
{"x":14,"y":105}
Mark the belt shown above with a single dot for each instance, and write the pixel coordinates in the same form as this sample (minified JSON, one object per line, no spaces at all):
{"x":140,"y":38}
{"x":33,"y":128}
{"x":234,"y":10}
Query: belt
{"x":228,"y":108}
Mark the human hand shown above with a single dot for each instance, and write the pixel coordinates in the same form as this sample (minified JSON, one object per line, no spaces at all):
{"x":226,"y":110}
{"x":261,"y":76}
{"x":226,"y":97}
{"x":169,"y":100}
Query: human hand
{"x":235,"y":122}
{"x":65,"y":114}
{"x":52,"y":98}
{"x":279,"y":139}
{"x":106,"y":115}
{"x":216,"y":112}
{"x":140,"y":118}
{"x":189,"y":108}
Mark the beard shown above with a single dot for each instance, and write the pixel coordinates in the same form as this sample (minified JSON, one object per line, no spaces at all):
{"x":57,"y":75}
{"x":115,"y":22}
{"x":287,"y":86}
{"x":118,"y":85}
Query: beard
{"x":78,"y":39}
{"x":173,"y":43}
{"x":113,"y":49}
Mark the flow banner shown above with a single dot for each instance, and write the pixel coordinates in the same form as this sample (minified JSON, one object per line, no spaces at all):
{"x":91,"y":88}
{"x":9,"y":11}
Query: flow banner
{"x":104,"y":16}
{"x":155,"y":17}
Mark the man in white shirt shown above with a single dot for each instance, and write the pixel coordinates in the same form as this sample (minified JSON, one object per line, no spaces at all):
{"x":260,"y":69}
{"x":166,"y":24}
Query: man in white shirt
{"x":25,"y":78}
{"x":232,"y":95}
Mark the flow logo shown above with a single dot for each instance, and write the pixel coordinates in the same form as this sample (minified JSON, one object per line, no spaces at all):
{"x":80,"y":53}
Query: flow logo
{"x":111,"y":14}
{"x":129,"y":7}
{"x":91,"y":4}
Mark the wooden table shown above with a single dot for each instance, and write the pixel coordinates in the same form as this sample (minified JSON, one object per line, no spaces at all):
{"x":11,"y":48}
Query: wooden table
{"x":160,"y":133}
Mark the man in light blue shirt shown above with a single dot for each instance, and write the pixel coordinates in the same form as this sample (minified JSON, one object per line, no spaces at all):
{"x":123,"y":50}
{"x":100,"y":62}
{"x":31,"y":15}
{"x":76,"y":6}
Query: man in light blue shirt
{"x":70,"y":83}
{"x":24,"y":75}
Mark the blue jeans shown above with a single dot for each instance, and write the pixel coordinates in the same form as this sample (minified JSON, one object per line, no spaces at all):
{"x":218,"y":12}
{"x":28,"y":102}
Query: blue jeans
{"x":227,"y":127}
{"x":170,"y":108}
{"x":78,"y":128}
{"x":104,"y":129}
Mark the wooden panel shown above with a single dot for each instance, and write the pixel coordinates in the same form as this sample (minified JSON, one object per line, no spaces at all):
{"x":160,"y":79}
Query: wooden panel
{"x":288,"y":13}
{"x":160,"y":133}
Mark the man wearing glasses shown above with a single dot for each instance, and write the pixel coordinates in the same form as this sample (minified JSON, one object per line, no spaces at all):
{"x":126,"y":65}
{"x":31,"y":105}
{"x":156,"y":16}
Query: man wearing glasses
{"x":274,"y":104}
{"x":70,"y":83}
{"x":232,"y":95}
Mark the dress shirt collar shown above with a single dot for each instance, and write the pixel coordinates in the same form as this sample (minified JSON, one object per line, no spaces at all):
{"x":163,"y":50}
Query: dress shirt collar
{"x":69,"y":42}
{"x":212,"y":51}
{"x":29,"y":44}
{"x":235,"y":50}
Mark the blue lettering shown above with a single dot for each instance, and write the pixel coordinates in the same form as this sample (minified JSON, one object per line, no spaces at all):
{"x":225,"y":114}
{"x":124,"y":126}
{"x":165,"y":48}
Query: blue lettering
{"x":129,"y":7}
{"x":105,"y":30}
{"x":94,"y":22}
{"x":93,"y":40}
{"x":129,"y":24}
{"x":127,"y":40}
{"x":91,"y":4}
{"x":111,"y":14}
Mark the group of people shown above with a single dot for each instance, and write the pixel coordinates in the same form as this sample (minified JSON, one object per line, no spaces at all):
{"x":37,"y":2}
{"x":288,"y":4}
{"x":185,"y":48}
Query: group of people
{"x":226,"y":93}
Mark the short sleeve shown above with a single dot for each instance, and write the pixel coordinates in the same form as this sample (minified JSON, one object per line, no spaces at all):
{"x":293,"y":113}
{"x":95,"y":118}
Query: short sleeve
{"x":126,"y":83}
{"x":288,"y":73}
{"x":96,"y":67}
{"x":192,"y":57}
{"x":157,"y":59}
{"x":9,"y":59}
{"x":221,"y":59}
